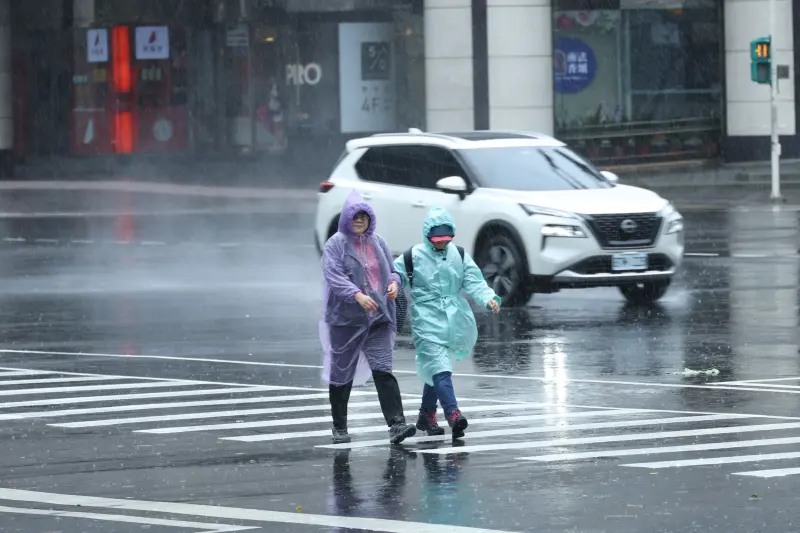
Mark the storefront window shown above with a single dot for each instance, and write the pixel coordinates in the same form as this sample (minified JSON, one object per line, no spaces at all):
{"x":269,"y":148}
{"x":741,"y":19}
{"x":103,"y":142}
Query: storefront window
{"x":638,"y":80}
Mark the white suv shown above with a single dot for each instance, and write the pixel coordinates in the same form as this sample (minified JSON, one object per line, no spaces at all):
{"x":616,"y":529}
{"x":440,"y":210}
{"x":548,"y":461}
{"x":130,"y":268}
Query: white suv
{"x":535,"y":216}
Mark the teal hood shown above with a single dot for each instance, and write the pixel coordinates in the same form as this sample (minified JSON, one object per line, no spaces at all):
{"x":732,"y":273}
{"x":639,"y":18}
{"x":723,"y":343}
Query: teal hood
{"x":437,"y":216}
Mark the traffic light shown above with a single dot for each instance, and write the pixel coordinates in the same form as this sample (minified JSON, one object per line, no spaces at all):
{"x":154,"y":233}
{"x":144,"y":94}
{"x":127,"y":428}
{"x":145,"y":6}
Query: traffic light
{"x":761,"y":57}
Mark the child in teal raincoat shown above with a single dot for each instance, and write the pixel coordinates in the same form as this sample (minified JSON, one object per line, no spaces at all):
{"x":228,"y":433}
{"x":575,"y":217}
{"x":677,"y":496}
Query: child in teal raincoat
{"x":442,"y":324}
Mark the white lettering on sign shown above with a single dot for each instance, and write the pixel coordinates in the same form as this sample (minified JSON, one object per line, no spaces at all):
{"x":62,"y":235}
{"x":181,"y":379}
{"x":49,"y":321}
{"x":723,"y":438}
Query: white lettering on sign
{"x":297,"y":74}
{"x":152,"y":42}
{"x":96,"y":45}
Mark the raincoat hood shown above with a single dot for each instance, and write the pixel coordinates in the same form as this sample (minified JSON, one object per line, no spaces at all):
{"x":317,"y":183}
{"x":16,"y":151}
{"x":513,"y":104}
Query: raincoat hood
{"x":352,"y":205}
{"x":437,"y":216}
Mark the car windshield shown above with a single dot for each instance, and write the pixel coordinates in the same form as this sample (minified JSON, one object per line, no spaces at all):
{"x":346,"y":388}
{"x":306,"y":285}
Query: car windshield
{"x":533,"y":168}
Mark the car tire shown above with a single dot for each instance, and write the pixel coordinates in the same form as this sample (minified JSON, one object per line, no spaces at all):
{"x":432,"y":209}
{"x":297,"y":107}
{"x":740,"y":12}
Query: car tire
{"x":644,"y":293}
{"x":503,"y":267}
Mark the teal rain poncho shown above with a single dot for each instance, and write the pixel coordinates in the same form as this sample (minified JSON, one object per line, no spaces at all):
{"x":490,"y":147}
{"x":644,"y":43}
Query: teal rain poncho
{"x":442,"y":324}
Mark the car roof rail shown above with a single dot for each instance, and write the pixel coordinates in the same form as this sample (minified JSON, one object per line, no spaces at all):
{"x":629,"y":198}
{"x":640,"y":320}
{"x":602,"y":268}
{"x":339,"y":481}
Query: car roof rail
{"x":532,"y":135}
{"x":415,"y":131}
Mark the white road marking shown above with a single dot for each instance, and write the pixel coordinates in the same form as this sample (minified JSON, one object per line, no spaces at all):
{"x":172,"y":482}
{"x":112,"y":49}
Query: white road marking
{"x":203,"y":527}
{"x":612,"y":438}
{"x":204,"y":415}
{"x":13,"y":373}
{"x":412,"y":372}
{"x":625,"y":452}
{"x":699,"y":254}
{"x":317,"y":419}
{"x":756,"y":381}
{"x":116,"y":386}
{"x":142,"y":396}
{"x":171,"y":405}
{"x":58,"y":380}
{"x":757,"y":458}
{"x":377,"y":429}
{"x":234,"y":513}
{"x":777,"y":472}
{"x":538,"y":429}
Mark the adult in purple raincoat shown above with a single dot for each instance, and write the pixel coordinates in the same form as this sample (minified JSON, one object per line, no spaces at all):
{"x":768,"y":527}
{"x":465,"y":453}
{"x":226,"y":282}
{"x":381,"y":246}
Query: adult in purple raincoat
{"x":358,"y":328}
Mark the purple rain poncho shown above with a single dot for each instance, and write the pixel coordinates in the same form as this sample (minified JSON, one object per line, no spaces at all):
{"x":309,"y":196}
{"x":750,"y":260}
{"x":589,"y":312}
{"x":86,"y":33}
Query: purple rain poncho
{"x":369,"y":337}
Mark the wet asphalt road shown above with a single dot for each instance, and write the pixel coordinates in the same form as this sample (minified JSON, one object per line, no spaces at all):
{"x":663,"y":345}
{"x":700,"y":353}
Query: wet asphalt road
{"x":198,"y":383}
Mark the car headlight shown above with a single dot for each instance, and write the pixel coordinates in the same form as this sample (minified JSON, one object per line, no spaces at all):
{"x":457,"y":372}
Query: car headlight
{"x":536,"y":210}
{"x":554,"y":230}
{"x":674,"y":220}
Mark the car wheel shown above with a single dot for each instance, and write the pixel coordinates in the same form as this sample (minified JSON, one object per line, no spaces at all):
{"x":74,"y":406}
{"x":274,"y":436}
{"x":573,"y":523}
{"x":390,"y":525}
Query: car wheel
{"x":502,"y":265}
{"x":646,"y":292}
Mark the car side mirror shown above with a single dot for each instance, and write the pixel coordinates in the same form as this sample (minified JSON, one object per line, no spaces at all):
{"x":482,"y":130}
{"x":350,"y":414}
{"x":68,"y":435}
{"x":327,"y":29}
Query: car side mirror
{"x":453,"y":185}
{"x":610,"y":176}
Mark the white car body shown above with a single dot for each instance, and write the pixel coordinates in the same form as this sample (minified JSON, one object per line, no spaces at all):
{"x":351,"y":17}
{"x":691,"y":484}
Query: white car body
{"x":553,"y":230}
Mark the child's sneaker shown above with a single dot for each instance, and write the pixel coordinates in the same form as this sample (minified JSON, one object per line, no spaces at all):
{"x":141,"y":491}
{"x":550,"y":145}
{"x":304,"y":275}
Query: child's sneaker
{"x":340,"y":436}
{"x":427,"y":422}
{"x":458,"y":423}
{"x":400,"y":431}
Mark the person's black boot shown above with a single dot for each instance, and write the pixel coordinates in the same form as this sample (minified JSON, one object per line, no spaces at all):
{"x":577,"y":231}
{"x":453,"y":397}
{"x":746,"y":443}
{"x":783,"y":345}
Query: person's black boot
{"x":427,"y":422}
{"x":400,"y":431}
{"x":339,"y":397}
{"x":457,"y":423}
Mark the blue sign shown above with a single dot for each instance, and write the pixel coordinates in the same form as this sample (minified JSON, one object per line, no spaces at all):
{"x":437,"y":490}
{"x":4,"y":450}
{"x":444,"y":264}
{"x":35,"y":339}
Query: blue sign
{"x":574,"y":65}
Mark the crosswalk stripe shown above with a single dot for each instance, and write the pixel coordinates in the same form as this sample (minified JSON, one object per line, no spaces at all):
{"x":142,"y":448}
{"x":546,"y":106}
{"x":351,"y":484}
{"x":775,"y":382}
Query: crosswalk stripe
{"x":13,"y":373}
{"x":377,"y":429}
{"x":316,"y":419}
{"x":86,"y":388}
{"x":627,"y":452}
{"x":757,"y":458}
{"x":60,"y":380}
{"x":538,"y":429}
{"x":129,"y":519}
{"x":776,"y":472}
{"x":142,"y":396}
{"x":202,"y":415}
{"x":171,"y":405}
{"x":614,"y":438}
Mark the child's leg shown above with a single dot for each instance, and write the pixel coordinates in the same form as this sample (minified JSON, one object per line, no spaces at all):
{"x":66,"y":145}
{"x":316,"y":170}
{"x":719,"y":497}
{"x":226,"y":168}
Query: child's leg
{"x":427,"y":412}
{"x":443,"y":382}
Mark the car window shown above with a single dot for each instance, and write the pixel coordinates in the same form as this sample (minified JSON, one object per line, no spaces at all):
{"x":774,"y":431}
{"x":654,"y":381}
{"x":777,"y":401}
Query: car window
{"x":533,"y":168}
{"x":412,"y":166}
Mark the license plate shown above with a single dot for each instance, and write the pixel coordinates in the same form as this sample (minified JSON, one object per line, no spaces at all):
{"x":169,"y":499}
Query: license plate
{"x":629,"y":261}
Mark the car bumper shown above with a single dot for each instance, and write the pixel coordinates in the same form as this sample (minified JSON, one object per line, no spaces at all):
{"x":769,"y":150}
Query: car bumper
{"x":571,"y":262}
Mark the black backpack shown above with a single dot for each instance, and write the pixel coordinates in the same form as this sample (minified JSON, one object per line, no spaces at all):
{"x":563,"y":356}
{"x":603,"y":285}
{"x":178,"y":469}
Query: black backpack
{"x":408,"y":260}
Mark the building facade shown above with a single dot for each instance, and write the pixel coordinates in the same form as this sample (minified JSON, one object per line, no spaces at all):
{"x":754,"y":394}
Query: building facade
{"x":621,"y":81}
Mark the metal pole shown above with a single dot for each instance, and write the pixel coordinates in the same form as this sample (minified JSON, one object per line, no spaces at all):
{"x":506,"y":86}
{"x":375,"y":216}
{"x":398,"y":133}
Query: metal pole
{"x":775,"y":144}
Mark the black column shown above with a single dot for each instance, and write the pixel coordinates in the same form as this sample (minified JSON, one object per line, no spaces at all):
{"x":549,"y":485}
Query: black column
{"x":480,"y":65}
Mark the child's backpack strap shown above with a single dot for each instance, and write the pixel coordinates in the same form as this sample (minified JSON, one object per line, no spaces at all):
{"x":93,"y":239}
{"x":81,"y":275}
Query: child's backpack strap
{"x":409,"y":261}
{"x":460,"y":252}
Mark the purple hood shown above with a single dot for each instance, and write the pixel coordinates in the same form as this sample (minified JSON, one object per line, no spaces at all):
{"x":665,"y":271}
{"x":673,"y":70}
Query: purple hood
{"x":352,"y":205}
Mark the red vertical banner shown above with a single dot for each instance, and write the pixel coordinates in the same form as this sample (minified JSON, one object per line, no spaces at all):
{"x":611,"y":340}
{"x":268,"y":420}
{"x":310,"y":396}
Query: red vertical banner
{"x":124,"y":127}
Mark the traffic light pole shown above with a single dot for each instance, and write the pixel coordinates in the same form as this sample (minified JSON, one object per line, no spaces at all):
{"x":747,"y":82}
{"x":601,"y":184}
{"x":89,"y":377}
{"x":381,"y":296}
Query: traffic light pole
{"x":775,"y":143}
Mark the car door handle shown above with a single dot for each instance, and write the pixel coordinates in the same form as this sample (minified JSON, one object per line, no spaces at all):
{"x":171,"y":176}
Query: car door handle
{"x":418,"y":203}
{"x":366,"y":196}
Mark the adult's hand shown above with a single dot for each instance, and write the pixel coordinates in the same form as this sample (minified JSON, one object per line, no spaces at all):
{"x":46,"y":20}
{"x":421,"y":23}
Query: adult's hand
{"x":366,"y":303}
{"x":392,"y":291}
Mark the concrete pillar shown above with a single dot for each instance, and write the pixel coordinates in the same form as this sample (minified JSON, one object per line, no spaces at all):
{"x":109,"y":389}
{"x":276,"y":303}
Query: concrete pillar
{"x":747,"y":103}
{"x":83,"y":13}
{"x":520,"y":43}
{"x":6,"y":96}
{"x":449,"y":101}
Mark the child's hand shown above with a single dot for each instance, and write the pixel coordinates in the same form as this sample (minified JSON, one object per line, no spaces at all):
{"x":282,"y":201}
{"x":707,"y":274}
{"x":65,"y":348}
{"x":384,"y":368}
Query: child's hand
{"x":494,"y":306}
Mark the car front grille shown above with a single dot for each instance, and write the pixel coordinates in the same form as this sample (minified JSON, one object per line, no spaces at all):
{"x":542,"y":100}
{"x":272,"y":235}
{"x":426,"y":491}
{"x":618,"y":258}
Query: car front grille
{"x":601,"y":264}
{"x":637,"y":230}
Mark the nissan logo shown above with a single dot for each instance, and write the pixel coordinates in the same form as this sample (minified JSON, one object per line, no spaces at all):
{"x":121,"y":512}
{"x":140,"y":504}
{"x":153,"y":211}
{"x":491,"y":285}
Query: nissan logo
{"x":628,"y":226}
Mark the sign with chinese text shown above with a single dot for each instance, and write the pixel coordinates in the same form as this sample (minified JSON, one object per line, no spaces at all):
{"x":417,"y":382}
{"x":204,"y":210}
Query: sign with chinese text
{"x":96,"y":45}
{"x":574,"y":65}
{"x":367,"y":92}
{"x":152,"y":42}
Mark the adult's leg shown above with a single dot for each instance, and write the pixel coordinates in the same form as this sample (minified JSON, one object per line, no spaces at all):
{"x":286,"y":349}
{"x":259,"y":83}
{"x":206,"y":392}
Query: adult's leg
{"x":378,"y":349}
{"x":345,"y":347}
